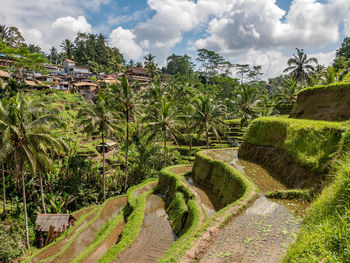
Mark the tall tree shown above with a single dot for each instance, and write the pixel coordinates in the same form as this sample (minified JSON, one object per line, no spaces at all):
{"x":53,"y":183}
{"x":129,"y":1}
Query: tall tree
{"x":344,"y":50}
{"x":162,"y":119}
{"x":300,"y":66}
{"x":210,"y":61}
{"x":99,"y":117}
{"x":125,"y":100}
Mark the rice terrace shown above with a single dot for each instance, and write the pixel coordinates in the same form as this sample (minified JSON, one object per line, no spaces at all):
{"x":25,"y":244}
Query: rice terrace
{"x":175,"y":131}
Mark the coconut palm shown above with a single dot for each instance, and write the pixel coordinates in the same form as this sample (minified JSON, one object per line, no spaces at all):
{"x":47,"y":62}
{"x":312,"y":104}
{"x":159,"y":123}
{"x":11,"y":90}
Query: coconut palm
{"x":162,"y":118}
{"x":4,"y":32}
{"x":99,"y":118}
{"x":208,"y":116}
{"x":245,"y":103}
{"x":151,"y":67}
{"x":26,"y":134}
{"x":67,"y":47}
{"x":187,"y":123}
{"x":125,"y":100}
{"x":300,"y":66}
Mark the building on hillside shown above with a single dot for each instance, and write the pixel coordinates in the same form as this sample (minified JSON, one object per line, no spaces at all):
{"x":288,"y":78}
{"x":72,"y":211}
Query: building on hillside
{"x":46,"y":78}
{"x":7,"y":63}
{"x":86,"y":89}
{"x":111,"y":80}
{"x":137,"y":74}
{"x":71,"y":67}
{"x":54,"y":69}
{"x":4,"y":75}
{"x":30,"y":85}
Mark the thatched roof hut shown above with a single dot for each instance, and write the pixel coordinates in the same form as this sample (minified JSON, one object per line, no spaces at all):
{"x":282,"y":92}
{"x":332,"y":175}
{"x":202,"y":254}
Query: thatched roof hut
{"x":43,"y":222}
{"x":4,"y":75}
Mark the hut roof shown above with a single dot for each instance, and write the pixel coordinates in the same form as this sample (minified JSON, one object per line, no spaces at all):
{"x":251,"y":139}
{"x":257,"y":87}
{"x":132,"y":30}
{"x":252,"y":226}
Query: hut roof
{"x":44,"y":221}
{"x":79,"y":84}
{"x":30,"y":83}
{"x":4,"y":74}
{"x":70,"y":61}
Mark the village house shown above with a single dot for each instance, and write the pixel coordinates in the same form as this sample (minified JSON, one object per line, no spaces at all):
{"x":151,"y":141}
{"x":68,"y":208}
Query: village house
{"x":137,"y":74}
{"x":86,"y":89}
{"x":71,"y":67}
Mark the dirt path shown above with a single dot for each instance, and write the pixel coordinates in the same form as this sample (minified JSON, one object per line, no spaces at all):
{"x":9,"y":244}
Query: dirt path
{"x":48,"y":252}
{"x":112,"y":208}
{"x":155,"y":236}
{"x":260,"y":234}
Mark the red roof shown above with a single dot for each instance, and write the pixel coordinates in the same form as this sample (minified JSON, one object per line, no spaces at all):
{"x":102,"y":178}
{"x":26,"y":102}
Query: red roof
{"x":70,"y":61}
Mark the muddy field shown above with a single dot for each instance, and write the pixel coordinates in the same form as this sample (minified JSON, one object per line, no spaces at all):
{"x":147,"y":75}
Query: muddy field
{"x":112,"y":208}
{"x":155,"y":236}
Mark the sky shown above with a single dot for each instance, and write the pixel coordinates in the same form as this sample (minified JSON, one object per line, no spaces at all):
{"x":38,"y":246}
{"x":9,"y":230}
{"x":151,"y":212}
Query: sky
{"x":257,"y":32}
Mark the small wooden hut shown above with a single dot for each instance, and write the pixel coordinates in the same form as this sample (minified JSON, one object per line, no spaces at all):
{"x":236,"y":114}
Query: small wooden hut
{"x":43,"y":222}
{"x":53,"y":225}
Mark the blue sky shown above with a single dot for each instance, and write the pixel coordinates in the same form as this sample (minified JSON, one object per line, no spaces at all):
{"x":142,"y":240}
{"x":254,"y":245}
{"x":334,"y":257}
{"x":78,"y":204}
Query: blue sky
{"x":263,"y":32}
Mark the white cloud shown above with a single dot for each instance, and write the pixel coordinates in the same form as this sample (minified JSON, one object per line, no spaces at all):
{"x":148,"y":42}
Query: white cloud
{"x":68,"y":27}
{"x":124,"y":39}
{"x":347,"y":26}
{"x":31,"y":16}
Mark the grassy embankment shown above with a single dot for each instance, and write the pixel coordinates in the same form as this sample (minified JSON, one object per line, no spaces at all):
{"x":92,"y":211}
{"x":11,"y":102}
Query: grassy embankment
{"x":194,"y":233}
{"x":310,"y":143}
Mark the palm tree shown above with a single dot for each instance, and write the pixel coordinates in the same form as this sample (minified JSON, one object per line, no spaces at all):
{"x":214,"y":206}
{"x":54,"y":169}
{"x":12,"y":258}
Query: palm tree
{"x":300,"y":66}
{"x":25,"y":135}
{"x":208,"y":116}
{"x":99,"y":117}
{"x":4,"y":32}
{"x":53,"y":54}
{"x":67,"y":47}
{"x":151,"y":66}
{"x":125,"y":99}
{"x":186,"y":119}
{"x":162,"y":118}
{"x":246,"y":102}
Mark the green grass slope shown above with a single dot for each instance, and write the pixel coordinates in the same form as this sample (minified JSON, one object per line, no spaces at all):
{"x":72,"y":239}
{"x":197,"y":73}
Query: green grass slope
{"x":325,"y":234}
{"x":310,"y":143}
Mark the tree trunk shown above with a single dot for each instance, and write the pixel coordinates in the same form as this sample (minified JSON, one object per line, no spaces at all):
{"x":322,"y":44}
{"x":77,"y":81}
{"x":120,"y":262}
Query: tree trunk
{"x":207,"y":135}
{"x":190,"y":147}
{"x":127,"y":149}
{"x":103,"y":167}
{"x":42,"y":192}
{"x":3,"y":191}
{"x":164,"y":138}
{"x":24,"y":203}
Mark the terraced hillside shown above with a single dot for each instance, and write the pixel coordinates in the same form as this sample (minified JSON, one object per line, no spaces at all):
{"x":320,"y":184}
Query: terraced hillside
{"x":221,"y":209}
